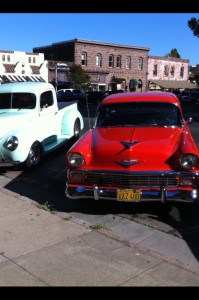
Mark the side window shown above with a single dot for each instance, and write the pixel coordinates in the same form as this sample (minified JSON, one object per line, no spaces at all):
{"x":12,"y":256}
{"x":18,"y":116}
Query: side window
{"x":119,"y":61}
{"x":46,"y":99}
{"x":128,"y":62}
{"x":155,"y":70}
{"x":182,"y":71}
{"x":111,"y":61}
{"x":84,"y":59}
{"x":140,"y":63}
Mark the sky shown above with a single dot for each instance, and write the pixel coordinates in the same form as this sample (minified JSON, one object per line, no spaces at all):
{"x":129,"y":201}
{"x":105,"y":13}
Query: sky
{"x":161,"y":32}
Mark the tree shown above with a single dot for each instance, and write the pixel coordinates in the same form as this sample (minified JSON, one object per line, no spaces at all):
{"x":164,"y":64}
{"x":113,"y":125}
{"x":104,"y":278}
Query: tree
{"x":193,"y":24}
{"x":78,"y":78}
{"x":173,"y":53}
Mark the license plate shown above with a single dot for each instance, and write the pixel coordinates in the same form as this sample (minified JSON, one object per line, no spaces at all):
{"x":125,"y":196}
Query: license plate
{"x":128,"y":195}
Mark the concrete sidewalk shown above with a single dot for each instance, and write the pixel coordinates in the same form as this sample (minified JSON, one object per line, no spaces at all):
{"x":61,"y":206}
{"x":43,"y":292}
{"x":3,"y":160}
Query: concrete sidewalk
{"x":38,"y":248}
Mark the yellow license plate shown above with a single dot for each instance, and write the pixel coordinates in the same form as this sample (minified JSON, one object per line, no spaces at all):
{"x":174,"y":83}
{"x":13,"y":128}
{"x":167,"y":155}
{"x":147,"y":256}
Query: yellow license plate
{"x":129,"y":195}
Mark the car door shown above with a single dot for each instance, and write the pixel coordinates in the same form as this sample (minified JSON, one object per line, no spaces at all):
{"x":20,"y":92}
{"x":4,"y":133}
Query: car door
{"x":48,"y":115}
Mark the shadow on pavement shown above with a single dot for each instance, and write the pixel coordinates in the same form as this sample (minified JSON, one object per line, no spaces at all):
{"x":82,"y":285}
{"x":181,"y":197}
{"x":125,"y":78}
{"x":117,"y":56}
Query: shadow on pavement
{"x":46,"y":184}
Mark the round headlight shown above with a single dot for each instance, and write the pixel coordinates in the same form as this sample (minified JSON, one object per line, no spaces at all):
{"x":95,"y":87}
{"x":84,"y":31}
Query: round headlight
{"x":75,"y":159}
{"x":188,"y":161}
{"x":12,"y":143}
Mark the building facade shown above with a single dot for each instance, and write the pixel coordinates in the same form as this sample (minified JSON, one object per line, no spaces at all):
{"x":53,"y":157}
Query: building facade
{"x":22,"y":66}
{"x":168,"y":72}
{"x":110,"y":66}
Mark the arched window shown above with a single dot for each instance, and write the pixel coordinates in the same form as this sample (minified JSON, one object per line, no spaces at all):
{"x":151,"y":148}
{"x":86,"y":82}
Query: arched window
{"x":140,"y":63}
{"x":34,"y":61}
{"x":128,"y":62}
{"x":3,"y":57}
{"x":118,"y":61}
{"x":29,"y":59}
{"x":84,"y":58}
{"x":8,"y":58}
{"x":111,"y":61}
{"x":98,"y":60}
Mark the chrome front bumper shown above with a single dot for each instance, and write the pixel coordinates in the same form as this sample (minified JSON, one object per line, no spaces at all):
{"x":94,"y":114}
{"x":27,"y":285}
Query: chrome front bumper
{"x":162,"y":195}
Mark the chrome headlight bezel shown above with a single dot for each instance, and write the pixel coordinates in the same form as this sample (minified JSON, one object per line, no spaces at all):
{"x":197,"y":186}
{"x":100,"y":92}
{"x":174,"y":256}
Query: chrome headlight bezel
{"x":12,"y":143}
{"x":75,"y":159}
{"x":188,"y":160}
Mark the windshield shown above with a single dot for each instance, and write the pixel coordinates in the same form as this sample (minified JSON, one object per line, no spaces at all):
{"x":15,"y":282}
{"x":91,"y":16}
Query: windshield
{"x":139,"y":114}
{"x":17,"y":101}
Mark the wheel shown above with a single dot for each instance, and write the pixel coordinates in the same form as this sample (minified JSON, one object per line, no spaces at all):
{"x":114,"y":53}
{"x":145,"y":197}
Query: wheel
{"x":76,"y":129}
{"x":34,"y":156}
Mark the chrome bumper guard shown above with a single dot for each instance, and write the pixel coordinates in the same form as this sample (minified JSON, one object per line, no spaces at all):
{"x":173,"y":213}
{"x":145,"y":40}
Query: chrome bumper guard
{"x":163,"y":195}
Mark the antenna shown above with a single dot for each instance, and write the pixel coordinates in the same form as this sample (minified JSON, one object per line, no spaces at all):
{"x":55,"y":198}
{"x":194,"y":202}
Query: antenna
{"x":87,"y":108}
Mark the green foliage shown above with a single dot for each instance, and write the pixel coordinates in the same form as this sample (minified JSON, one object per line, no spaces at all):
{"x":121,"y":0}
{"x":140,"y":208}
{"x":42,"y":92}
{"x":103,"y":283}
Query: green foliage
{"x":98,"y":226}
{"x":173,"y":53}
{"x":193,"y":24}
{"x":78,"y":77}
{"x":47,"y":207}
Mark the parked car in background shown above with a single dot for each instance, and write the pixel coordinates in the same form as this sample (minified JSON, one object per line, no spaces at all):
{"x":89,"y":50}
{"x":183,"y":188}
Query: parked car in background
{"x":139,"y":149}
{"x":71,"y":95}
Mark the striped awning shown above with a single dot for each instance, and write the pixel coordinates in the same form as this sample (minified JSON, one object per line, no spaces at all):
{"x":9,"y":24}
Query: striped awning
{"x":17,"y":78}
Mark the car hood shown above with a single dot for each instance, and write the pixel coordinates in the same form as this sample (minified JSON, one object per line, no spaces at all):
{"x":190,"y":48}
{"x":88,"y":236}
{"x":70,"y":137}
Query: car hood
{"x":10,"y":121}
{"x":134,"y":148}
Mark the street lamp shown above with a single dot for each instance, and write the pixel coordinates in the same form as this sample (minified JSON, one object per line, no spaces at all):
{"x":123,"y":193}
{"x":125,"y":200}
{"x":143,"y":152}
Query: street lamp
{"x":59,"y":66}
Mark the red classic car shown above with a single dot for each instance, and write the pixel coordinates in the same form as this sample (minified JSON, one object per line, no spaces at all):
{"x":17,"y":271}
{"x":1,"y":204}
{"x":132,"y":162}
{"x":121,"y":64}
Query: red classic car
{"x":140,"y":149}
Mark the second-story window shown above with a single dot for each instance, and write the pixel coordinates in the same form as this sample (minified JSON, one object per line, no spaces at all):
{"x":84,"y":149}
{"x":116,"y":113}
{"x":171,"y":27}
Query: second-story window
{"x":118,"y":61}
{"x":182,"y":71}
{"x":155,"y":70}
{"x":98,"y":60}
{"x":128,"y":62}
{"x":111,"y":61}
{"x":140,"y":63}
{"x":29,"y":59}
{"x":8,"y":58}
{"x":3,"y":57}
{"x":84,"y":58}
{"x":166,"y":70}
{"x":34,"y":61}
{"x":172,"y":71}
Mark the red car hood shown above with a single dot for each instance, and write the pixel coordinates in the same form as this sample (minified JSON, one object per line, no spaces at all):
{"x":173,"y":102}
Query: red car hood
{"x":134,"y":148}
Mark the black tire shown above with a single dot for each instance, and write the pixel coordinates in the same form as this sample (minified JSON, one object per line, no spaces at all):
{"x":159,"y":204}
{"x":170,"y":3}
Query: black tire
{"x":34,"y":156}
{"x":77,"y":129}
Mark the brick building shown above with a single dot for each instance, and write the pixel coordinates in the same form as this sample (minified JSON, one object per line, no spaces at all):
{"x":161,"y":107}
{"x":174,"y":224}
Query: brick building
{"x":22,"y":66}
{"x":168,"y":73}
{"x":110,"y":66}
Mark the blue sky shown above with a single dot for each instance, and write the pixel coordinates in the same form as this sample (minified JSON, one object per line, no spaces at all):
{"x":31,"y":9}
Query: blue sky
{"x":160,"y":32}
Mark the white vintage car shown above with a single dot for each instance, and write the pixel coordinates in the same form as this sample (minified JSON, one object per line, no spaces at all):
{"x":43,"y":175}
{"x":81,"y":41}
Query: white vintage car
{"x":33,"y":123}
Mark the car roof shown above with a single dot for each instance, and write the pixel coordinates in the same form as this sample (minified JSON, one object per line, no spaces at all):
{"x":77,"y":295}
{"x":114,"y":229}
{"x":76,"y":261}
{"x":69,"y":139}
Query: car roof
{"x":25,"y":87}
{"x":141,"y":96}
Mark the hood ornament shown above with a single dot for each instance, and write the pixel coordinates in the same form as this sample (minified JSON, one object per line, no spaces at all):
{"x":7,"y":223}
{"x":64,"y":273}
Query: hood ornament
{"x":129,"y":144}
{"x":128,"y":162}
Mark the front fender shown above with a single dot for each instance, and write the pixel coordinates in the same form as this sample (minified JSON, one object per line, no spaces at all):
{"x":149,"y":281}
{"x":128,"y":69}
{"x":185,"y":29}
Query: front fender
{"x":21,"y":152}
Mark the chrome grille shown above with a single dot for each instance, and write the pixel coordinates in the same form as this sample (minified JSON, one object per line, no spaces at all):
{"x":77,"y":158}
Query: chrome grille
{"x":130,"y":180}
